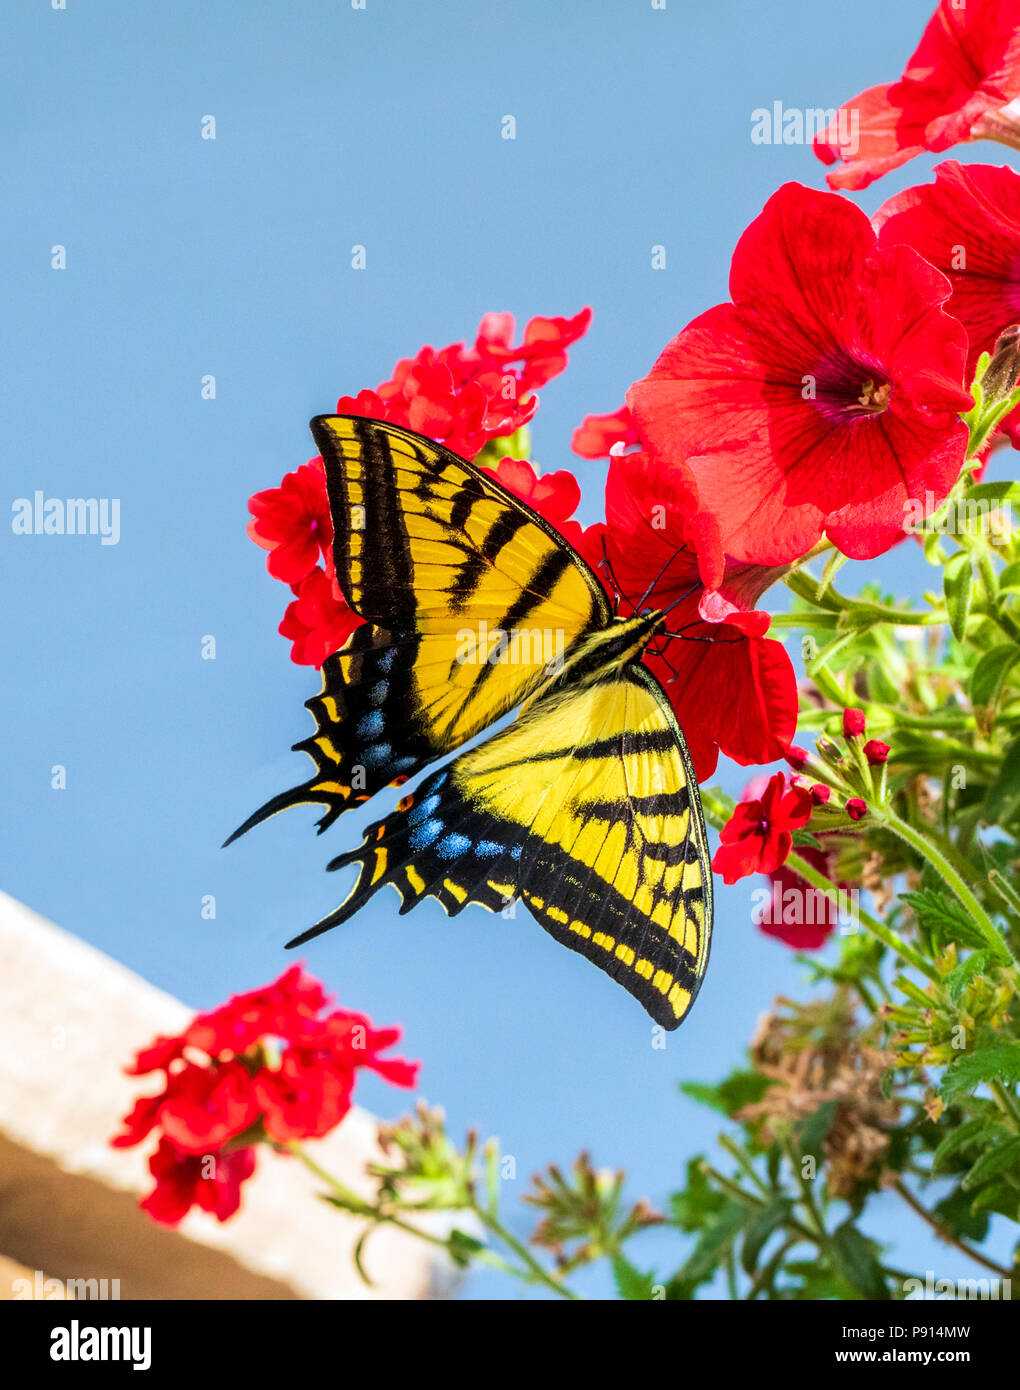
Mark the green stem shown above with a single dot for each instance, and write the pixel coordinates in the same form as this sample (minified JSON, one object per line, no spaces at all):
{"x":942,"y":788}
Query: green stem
{"x":359,"y":1207}
{"x":1006,"y":1103}
{"x":538,"y":1273}
{"x":941,"y":864}
{"x":878,"y":929}
{"x":926,"y":1216}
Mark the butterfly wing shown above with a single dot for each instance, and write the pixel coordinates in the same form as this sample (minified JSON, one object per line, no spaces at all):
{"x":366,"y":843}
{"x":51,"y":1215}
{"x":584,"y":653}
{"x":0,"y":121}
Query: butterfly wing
{"x":587,"y":809}
{"x":440,"y":560}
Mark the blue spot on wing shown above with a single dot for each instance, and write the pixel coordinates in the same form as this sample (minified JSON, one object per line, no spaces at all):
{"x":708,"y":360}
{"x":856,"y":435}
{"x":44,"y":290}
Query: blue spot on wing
{"x":377,"y":694}
{"x":376,"y":753}
{"x":423,"y":810}
{"x":452,"y":846}
{"x":372,"y":725}
{"x":387,"y":659}
{"x":423,"y":835}
{"x":487,"y":848}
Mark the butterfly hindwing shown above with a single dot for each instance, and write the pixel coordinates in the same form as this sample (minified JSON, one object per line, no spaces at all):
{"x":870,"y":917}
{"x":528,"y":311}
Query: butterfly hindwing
{"x":586,"y":809}
{"x":469,"y":596}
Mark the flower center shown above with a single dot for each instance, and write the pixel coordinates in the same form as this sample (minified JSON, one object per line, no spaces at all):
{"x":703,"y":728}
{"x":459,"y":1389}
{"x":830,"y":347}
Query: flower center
{"x":875,"y":397}
{"x":844,"y":388}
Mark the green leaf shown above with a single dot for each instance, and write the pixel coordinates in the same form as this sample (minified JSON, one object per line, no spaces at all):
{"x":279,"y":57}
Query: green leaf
{"x":943,"y":919}
{"x":740,"y":1088}
{"x":1005,"y":790}
{"x":804,"y":837}
{"x":998,"y":1159}
{"x":997,"y":1196}
{"x":715,"y":1243}
{"x":462,"y":1247}
{"x":990,"y":675}
{"x":999,"y":1062}
{"x":961,"y":975}
{"x":957,"y":585}
{"x":1010,"y":576}
{"x":768,"y":1220}
{"x":630,"y":1282}
{"x":995,"y":494}
{"x":699,"y":1201}
{"x":812,"y":1131}
{"x":955,"y":1215}
{"x":959,"y":1138}
{"x":857,"y":1260}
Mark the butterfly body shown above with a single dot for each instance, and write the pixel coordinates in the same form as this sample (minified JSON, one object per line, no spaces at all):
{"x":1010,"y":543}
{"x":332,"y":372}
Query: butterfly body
{"x":586,"y":806}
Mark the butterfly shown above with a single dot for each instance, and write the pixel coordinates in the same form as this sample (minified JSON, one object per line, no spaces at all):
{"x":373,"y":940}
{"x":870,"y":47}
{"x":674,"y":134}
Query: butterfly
{"x":585,"y":807}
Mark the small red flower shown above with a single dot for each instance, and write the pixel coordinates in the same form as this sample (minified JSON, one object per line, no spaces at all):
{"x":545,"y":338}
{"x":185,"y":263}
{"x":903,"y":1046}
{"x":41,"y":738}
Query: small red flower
{"x":292,"y":522}
{"x":823,"y":399}
{"x":856,"y":808}
{"x":542,"y":352}
{"x":853,"y":723}
{"x":957,"y":86}
{"x":752,"y":712}
{"x":798,"y":913}
{"x":317,"y":622}
{"x":967,"y":224}
{"x":555,"y":496}
{"x":876,"y":752}
{"x":267,"y":1063}
{"x":599,"y":436}
{"x":758,"y":836}
{"x":211,"y":1182}
{"x":203,"y":1107}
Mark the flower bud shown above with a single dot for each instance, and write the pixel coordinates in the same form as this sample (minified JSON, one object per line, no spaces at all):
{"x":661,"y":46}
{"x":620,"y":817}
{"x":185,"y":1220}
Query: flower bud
{"x":876,"y":752}
{"x":1003,"y":371}
{"x":853,"y":723}
{"x":856,"y":808}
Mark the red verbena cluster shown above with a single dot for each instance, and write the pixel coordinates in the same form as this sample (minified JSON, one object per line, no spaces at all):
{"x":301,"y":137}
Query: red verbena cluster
{"x":274,"y":1065}
{"x":817,"y":408}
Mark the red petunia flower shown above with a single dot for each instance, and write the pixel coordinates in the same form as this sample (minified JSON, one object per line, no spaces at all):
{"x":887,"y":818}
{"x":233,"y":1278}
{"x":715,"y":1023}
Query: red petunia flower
{"x":317,"y":622}
{"x":599,"y":436}
{"x":967,"y":224}
{"x":732,"y":688}
{"x":211,"y":1182}
{"x":758,"y":836}
{"x":266,"y":1064}
{"x":823,"y":399}
{"x":292,"y":522}
{"x":960,"y":84}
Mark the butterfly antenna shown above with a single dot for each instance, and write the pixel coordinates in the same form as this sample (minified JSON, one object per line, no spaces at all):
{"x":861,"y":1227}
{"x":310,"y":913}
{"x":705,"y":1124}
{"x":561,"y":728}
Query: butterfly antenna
{"x":607,"y":565}
{"x":647,"y":593}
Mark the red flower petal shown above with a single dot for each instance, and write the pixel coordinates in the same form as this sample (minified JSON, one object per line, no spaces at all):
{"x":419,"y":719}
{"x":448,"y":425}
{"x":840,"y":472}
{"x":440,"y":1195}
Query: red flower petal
{"x":824,"y":399}
{"x":964,"y":71}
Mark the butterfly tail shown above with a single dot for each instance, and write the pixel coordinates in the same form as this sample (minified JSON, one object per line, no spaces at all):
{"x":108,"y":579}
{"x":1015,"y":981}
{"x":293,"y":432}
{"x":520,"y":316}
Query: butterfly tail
{"x":433,"y":845}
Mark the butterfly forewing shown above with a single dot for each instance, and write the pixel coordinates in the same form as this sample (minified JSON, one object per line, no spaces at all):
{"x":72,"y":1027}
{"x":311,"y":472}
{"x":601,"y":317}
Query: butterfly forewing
{"x":469,"y":598}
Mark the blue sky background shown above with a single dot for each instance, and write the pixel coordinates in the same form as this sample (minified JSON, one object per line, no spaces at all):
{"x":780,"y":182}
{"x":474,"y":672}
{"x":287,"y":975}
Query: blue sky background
{"x":232,"y":257}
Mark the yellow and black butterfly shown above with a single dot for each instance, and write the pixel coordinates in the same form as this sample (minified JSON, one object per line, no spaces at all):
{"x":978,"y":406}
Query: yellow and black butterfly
{"x":586,"y":807}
